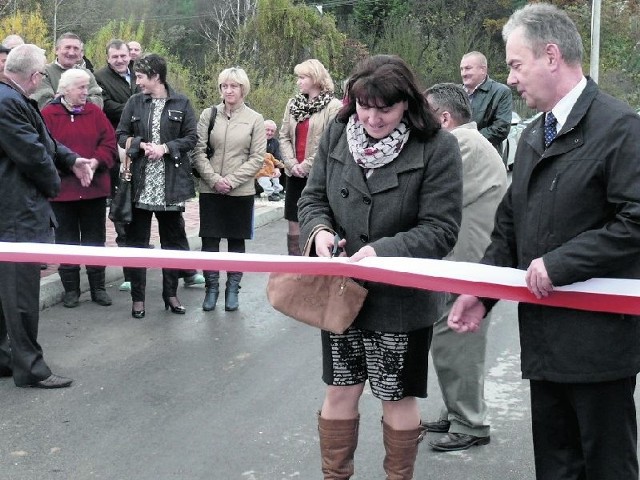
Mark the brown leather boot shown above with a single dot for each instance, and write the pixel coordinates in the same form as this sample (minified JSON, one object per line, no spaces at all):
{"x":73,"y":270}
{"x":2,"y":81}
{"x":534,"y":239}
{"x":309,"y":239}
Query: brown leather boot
{"x":293,"y":245}
{"x":338,"y":442}
{"x":401,"y":447}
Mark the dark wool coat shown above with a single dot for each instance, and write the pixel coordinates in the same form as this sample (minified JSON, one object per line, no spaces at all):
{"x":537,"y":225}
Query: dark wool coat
{"x":177,"y":132}
{"x":576,"y":205}
{"x":410,"y":207}
{"x":90,"y":135}
{"x":28,"y":175}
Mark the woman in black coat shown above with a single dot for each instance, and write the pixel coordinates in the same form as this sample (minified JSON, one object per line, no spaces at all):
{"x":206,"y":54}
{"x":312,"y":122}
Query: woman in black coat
{"x":162,"y":125}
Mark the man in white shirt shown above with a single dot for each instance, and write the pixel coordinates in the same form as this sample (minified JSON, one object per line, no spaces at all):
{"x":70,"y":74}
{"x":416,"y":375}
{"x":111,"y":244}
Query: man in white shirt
{"x":572,"y":213}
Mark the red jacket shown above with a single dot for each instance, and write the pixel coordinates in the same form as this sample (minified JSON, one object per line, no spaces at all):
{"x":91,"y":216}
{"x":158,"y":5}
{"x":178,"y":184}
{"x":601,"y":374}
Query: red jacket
{"x":89,"y":134}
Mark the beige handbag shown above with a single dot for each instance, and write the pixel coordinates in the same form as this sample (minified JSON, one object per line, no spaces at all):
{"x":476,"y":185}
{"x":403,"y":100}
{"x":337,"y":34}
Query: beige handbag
{"x":328,"y":302}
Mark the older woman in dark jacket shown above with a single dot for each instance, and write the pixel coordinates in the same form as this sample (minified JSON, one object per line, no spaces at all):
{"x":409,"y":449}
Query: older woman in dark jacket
{"x":388,"y":181}
{"x":162,"y":125}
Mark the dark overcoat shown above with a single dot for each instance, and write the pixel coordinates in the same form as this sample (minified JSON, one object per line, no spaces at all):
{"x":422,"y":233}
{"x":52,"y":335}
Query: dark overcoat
{"x":410,"y":207}
{"x":115,"y":92}
{"x":576,"y":205}
{"x":28,"y":176}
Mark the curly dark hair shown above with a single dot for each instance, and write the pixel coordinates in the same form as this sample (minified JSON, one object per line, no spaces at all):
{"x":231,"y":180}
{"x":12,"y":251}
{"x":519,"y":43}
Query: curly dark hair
{"x":384,"y":80}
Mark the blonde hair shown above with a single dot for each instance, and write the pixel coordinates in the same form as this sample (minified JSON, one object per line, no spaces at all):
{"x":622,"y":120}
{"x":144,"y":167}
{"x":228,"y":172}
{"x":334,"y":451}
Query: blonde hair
{"x":315,"y":70}
{"x":238,"y":75}
{"x":71,"y":76}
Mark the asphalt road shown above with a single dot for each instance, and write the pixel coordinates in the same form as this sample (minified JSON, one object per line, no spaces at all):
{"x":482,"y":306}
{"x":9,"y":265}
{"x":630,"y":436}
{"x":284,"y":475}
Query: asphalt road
{"x":220,"y":395}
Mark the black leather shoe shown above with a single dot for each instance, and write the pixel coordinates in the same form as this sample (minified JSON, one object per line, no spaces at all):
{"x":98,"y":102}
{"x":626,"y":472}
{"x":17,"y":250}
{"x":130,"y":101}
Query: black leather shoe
{"x":452,"y":442}
{"x":440,"y":426}
{"x":6,"y":372}
{"x":52,"y":381}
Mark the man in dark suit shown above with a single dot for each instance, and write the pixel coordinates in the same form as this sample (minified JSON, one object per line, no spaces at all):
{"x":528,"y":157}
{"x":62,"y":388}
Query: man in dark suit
{"x":118,"y":83}
{"x":572,"y":213}
{"x":29,"y":159}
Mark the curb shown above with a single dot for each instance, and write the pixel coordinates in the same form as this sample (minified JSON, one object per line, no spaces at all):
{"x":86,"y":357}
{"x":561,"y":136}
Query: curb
{"x":51,"y":290}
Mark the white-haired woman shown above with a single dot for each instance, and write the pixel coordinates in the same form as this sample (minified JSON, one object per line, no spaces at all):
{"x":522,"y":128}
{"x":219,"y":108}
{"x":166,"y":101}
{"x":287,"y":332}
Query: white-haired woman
{"x":238,"y":144}
{"x":305,"y":118}
{"x":81,"y":211}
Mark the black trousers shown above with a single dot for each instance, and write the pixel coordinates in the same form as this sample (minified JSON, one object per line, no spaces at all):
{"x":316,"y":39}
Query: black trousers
{"x":584,"y":431}
{"x":19,"y":315}
{"x":172,"y":237}
{"x":81,"y":222}
{"x":121,"y":240}
{"x":185,"y":246}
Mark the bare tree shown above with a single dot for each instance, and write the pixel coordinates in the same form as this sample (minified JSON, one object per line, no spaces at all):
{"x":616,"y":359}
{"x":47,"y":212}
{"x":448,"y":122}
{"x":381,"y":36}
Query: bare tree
{"x":221,"y":19}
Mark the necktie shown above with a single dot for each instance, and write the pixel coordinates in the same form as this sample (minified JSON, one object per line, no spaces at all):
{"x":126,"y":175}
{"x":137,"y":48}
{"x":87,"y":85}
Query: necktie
{"x":550,"y":123}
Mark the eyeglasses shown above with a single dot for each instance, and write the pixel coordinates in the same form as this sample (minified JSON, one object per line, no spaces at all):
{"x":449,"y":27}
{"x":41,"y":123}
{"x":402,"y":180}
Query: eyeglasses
{"x":44,"y":74}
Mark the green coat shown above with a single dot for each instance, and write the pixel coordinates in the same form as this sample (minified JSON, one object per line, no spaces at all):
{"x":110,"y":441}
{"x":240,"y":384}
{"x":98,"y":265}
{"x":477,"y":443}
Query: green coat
{"x":491,"y":104}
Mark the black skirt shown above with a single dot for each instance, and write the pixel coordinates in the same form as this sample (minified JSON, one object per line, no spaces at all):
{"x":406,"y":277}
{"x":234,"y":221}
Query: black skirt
{"x":224,"y":216}
{"x":295,"y":185}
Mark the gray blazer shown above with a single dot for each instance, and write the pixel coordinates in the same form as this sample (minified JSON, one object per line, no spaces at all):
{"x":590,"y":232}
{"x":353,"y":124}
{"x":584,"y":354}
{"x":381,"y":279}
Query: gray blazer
{"x":410,"y":207}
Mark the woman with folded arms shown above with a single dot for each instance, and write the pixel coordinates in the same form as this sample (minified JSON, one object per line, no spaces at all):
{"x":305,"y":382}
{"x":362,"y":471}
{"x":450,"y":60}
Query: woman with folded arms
{"x":305,"y":118}
{"x":227,"y":187}
{"x":162,"y":125}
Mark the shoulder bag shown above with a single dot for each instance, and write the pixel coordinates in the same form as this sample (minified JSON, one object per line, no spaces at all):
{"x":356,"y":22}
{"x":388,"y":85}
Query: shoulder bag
{"x":328,"y":302}
{"x":122,"y":203}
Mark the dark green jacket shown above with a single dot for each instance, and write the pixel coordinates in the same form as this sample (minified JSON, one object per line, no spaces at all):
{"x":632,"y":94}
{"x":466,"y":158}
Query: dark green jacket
{"x":491,"y":105}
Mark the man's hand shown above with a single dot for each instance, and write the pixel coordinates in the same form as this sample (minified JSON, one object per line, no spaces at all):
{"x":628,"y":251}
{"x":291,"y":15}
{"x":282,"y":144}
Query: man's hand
{"x":94,"y":164}
{"x":538,"y":281}
{"x":466,"y":314}
{"x":82,"y":169}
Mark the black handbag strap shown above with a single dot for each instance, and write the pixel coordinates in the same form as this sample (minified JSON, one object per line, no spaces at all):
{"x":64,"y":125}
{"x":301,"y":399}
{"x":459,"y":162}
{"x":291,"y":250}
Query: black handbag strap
{"x":212,"y":122}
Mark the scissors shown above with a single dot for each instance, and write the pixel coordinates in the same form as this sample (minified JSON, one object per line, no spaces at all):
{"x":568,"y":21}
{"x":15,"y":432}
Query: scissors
{"x":337,"y":250}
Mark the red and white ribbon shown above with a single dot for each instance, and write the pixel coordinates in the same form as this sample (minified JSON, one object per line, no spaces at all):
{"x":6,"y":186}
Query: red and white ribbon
{"x":597,"y":294}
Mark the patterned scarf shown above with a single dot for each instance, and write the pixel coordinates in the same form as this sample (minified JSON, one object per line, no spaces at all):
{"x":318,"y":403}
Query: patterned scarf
{"x":379,"y":154}
{"x":301,"y":108}
{"x":73,"y":109}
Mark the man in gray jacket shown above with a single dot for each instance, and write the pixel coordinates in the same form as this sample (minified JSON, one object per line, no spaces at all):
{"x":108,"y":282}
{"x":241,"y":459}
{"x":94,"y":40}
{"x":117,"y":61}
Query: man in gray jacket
{"x":491,"y":102}
{"x":484,"y":182}
{"x":69,"y":53}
